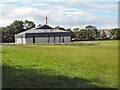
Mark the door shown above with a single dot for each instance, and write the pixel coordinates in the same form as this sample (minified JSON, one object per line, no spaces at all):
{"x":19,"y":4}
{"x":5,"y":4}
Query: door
{"x":63,"y":39}
{"x":33,"y":39}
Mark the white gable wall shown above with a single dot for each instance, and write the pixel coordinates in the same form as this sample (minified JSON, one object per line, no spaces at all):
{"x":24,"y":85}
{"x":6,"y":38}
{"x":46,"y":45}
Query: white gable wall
{"x":20,"y":40}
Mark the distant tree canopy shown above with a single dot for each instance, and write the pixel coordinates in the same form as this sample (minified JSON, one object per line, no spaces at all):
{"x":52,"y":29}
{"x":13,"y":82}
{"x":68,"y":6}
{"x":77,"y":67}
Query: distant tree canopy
{"x":76,"y":33}
{"x":115,"y":33}
{"x":103,"y":35}
{"x":88,"y":33}
{"x":68,"y":30}
{"x":15,"y":28}
{"x":98,"y":34}
{"x":28,"y":24}
{"x":39,"y":25}
{"x":83,"y":34}
{"x":58,"y":27}
{"x":9,"y":31}
{"x":91,"y":32}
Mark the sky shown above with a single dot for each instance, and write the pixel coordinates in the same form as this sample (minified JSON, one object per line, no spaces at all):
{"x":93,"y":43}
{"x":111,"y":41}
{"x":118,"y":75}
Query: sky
{"x":69,"y":14}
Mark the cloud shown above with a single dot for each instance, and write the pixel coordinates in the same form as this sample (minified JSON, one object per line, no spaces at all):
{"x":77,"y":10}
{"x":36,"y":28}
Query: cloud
{"x":39,"y":4}
{"x":21,"y":12}
{"x":5,"y":22}
{"x":57,"y":15}
{"x":59,"y":1}
{"x":78,"y":12}
{"x":9,"y":0}
{"x":102,"y":5}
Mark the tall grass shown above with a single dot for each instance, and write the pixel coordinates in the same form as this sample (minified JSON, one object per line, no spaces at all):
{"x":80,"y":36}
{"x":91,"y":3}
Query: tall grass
{"x":61,"y":65}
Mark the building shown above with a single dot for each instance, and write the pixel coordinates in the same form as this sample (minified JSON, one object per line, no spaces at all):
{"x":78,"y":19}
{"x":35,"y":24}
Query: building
{"x":107,"y":32}
{"x":43,"y":34}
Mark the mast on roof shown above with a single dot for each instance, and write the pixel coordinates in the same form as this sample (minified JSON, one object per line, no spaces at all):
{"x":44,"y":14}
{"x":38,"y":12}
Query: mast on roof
{"x":46,"y":20}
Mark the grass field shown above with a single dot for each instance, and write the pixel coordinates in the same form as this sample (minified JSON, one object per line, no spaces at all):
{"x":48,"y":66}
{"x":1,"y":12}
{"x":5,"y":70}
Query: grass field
{"x":61,"y":66}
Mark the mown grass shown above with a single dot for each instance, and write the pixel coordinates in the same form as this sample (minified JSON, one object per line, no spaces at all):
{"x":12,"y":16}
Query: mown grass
{"x":61,"y":66}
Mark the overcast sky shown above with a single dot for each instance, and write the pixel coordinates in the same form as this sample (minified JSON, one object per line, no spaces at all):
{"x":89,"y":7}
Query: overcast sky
{"x":69,"y":14}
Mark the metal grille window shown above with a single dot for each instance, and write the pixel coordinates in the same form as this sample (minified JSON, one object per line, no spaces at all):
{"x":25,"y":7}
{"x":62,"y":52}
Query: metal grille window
{"x":21,"y":39}
{"x":59,"y":38}
{"x":48,"y":38}
{"x":54,"y":37}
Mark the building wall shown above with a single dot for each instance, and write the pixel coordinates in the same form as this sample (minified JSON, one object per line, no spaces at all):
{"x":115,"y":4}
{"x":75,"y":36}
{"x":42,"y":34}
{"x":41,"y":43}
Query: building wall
{"x":67,"y":39}
{"x":29,"y":40}
{"x":48,"y":40}
{"x":20,"y":40}
{"x":107,"y":32}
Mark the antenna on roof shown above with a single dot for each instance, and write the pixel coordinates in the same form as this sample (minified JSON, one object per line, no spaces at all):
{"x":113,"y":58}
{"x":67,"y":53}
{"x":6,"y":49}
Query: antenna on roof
{"x":46,"y":20}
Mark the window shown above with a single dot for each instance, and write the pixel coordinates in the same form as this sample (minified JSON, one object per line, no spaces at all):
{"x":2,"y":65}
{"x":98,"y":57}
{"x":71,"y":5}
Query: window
{"x":21,"y":39}
{"x":59,"y":38}
{"x":54,"y":38}
{"x":48,"y":38}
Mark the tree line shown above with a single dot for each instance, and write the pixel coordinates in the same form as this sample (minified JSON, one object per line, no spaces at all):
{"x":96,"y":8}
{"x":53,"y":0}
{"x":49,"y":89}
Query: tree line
{"x":16,"y":27}
{"x":88,"y":33}
{"x":91,"y":33}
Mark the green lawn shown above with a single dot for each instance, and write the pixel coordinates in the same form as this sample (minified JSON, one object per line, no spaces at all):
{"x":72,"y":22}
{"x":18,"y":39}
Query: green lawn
{"x":84,"y":66}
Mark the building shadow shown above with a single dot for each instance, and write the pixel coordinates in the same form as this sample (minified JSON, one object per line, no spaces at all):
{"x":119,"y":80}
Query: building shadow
{"x":17,"y":77}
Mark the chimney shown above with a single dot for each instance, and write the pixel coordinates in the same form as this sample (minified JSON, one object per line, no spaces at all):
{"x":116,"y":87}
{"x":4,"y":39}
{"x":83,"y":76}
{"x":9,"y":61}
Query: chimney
{"x":46,"y":20}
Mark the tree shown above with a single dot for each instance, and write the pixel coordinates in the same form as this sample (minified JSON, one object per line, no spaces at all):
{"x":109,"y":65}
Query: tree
{"x":28,"y":24}
{"x":58,"y":27}
{"x":103,"y":35}
{"x":5,"y":35}
{"x":98,"y":34}
{"x":82,"y":34}
{"x":115,"y":33}
{"x":76,"y":33}
{"x":91,"y":32}
{"x":9,"y":31}
{"x":16,"y":27}
{"x":39,"y":25}
{"x":90,"y":27}
{"x":70,"y":31}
